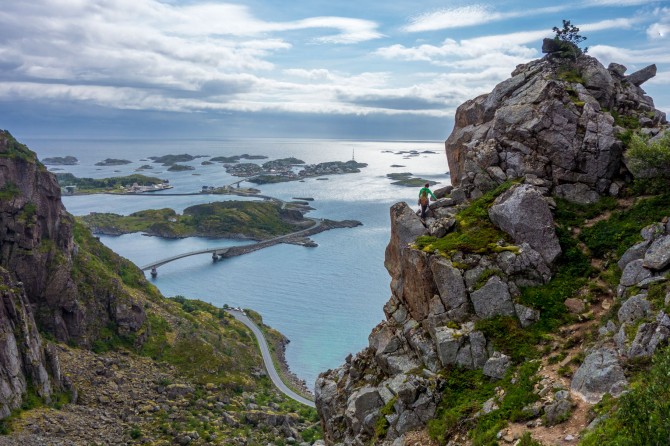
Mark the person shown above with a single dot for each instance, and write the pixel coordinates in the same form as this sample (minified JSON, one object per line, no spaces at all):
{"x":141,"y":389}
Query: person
{"x":424,"y":200}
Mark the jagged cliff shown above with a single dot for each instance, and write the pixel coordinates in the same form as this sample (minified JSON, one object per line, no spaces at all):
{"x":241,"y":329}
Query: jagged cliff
{"x":39,"y":264}
{"x":555,"y":131}
{"x":37,"y":246}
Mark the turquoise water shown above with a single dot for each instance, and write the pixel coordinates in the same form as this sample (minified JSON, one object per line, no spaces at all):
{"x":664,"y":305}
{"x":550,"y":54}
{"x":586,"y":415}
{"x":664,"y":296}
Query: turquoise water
{"x":325,"y":299}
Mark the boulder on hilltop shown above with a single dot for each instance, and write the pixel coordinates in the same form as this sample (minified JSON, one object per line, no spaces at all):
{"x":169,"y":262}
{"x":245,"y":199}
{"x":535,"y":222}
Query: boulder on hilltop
{"x":558,"y":120}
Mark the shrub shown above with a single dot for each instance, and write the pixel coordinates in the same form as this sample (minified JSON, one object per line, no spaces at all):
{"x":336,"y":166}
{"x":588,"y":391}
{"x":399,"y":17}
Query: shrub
{"x":649,"y":159}
{"x":642,"y":416}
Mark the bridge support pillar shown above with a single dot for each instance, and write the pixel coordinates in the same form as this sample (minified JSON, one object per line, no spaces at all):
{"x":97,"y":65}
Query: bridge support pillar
{"x":214,"y":257}
{"x":154,"y":271}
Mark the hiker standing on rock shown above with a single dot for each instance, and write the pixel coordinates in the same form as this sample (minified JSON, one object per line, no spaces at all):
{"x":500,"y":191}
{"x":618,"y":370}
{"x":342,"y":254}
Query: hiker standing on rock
{"x":424,"y":200}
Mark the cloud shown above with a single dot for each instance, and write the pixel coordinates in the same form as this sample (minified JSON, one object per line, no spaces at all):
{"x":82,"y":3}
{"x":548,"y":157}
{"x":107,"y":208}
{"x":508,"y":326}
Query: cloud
{"x":452,"y":18}
{"x":660,"y":30}
{"x":621,"y":3}
{"x":472,"y":15}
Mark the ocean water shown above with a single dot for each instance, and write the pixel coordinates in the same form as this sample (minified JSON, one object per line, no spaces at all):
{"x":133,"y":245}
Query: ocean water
{"x":326,"y":299}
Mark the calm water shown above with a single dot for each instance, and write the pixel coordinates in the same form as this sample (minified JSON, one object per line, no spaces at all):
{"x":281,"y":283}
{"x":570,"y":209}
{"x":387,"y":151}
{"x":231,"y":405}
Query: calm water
{"x":325,"y":299}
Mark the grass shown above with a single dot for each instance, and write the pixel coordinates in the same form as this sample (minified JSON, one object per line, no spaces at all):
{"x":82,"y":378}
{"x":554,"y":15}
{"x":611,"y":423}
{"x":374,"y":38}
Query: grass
{"x":474,"y":231}
{"x":97,"y":185}
{"x":16,"y":150}
{"x":9,"y":191}
{"x":464,"y":393}
{"x":640,"y":417}
{"x":254,"y":219}
{"x":616,"y":234}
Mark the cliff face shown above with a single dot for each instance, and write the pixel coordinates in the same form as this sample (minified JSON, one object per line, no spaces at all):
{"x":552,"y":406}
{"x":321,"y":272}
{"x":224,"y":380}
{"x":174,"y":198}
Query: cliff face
{"x":24,"y":360}
{"x":37,"y":246}
{"x":553,"y":130}
{"x":44,"y":285}
{"x":556,"y":121}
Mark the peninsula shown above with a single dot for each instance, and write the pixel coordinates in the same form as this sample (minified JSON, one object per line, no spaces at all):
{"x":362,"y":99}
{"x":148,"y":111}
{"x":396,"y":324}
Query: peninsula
{"x":130,"y":184}
{"x":255,"y":220}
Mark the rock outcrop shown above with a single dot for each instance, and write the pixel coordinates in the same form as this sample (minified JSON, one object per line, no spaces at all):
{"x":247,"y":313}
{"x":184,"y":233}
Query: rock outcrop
{"x":45,"y":284}
{"x":555,"y":120}
{"x":429,"y":326}
{"x":24,"y":360}
{"x":552,"y":130}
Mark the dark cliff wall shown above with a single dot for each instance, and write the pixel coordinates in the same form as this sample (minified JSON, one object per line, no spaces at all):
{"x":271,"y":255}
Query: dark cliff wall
{"x":49,"y":282}
{"x":37,"y":247}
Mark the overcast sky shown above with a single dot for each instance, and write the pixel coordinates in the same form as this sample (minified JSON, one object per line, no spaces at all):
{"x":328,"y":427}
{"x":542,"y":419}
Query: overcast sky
{"x":391,"y":69}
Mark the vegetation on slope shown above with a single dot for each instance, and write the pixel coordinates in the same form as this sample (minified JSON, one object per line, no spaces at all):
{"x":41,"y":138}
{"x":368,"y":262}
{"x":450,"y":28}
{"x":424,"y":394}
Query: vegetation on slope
{"x":227,"y":219}
{"x":209,"y":355}
{"x":604,"y":231}
{"x":474,"y":232}
{"x":98,"y":185}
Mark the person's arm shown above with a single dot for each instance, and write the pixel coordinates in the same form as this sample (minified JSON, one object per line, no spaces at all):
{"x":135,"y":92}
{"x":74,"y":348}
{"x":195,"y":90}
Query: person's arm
{"x":433,"y":195}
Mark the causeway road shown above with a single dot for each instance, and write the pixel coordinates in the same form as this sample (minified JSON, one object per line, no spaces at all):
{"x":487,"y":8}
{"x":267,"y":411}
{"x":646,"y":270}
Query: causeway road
{"x":231,"y":251}
{"x":267,"y":358}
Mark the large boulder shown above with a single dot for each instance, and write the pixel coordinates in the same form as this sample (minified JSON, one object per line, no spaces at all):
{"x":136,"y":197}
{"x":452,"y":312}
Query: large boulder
{"x":493,"y":299}
{"x":524,"y":214}
{"x":642,"y":76}
{"x":600,"y":373}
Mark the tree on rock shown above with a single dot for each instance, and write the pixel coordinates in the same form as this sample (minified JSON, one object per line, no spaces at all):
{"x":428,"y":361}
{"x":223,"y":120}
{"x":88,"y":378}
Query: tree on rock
{"x":568,"y":40}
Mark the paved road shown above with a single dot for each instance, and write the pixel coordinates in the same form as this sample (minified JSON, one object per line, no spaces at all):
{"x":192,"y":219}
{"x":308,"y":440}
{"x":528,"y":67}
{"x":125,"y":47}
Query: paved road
{"x":267,"y":358}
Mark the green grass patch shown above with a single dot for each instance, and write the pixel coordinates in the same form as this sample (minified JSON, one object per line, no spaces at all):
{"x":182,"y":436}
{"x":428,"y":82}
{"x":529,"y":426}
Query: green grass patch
{"x":507,"y":336}
{"x":9,"y":191}
{"x":640,"y":417}
{"x":463,"y":395}
{"x":618,"y":233}
{"x":96,"y":185}
{"x":253,"y":219}
{"x":15,"y":150}
{"x":474,"y":231}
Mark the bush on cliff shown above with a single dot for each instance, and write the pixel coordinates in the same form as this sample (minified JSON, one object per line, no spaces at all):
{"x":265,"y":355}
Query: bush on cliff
{"x":641,"y":416}
{"x":649,"y":159}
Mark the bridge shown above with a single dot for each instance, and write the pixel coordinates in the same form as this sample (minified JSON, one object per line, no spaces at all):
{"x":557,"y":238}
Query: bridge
{"x":232,"y":251}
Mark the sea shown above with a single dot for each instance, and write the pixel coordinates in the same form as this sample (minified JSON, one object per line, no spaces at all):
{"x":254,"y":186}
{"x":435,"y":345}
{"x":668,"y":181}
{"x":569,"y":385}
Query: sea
{"x":326,"y":299}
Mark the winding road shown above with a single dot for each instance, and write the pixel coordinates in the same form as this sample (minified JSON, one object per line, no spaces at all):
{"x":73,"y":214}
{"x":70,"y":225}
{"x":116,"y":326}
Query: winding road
{"x":267,"y":358}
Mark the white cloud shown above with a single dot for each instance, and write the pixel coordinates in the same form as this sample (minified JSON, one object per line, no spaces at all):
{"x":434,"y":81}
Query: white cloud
{"x":660,"y":29}
{"x":472,"y":15}
{"x":621,"y":3}
{"x":452,"y":18}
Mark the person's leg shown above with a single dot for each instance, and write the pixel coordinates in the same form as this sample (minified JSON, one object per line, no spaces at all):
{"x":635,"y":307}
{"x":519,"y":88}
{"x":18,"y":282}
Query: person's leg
{"x":424,"y":208}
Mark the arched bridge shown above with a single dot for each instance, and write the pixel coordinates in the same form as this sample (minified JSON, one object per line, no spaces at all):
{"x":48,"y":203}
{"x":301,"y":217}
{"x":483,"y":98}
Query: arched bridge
{"x":232,"y":251}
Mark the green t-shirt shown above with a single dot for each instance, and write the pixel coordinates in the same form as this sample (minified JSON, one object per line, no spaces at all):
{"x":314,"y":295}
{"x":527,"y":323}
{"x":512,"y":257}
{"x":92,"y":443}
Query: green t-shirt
{"x":427,"y":192}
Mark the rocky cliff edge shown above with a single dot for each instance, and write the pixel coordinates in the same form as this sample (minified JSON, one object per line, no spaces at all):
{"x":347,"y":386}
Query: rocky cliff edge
{"x":555,"y":130}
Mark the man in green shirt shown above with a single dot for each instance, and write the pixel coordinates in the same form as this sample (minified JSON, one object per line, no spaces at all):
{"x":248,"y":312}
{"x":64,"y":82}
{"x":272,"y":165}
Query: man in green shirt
{"x":424,"y":200}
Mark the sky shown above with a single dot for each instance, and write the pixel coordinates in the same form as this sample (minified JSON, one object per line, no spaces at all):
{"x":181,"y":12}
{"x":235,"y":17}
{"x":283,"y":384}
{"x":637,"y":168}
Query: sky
{"x":342,"y":69}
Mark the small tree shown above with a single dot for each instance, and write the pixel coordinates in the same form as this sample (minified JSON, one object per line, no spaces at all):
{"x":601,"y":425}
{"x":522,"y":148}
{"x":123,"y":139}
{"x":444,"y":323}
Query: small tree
{"x":569,"y":39}
{"x":649,"y":159}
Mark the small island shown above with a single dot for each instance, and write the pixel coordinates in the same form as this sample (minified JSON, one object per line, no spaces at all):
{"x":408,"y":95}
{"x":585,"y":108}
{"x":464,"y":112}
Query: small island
{"x":283,"y":174}
{"x":131,"y":184}
{"x":112,"y":162}
{"x":237,"y":158}
{"x":406,"y":179}
{"x":180,"y":168}
{"x":169,"y":160}
{"x":60,"y":161}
